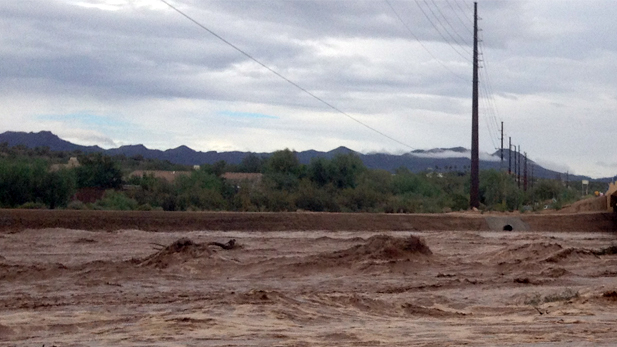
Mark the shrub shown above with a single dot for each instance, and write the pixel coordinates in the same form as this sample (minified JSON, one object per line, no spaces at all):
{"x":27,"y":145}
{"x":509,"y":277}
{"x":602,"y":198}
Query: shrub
{"x":33,"y":206}
{"x":113,"y":200}
{"x":144,"y":207}
{"x":76,"y":205}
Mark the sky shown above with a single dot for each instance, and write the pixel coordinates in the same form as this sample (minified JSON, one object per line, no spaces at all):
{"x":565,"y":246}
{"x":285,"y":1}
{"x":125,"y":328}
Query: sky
{"x":384,"y":76}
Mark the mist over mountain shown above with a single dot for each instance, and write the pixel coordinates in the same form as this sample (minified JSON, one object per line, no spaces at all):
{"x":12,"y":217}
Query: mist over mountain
{"x":437,"y":159}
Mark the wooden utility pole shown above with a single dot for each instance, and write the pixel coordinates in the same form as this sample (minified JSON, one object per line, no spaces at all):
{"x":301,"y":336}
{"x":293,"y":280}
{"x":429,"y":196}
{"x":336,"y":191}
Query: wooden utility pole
{"x":474,"y":194}
{"x":525,"y":174}
{"x":518,"y":166}
{"x":509,"y":154}
{"x":501,"y":145}
{"x":515,"y":162}
{"x":567,"y":179}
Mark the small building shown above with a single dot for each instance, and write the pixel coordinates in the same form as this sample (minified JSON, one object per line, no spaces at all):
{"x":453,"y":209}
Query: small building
{"x":169,"y":176}
{"x":73,"y":163}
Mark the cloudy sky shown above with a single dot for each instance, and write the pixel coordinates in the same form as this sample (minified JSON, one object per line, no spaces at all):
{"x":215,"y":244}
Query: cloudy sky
{"x":374,"y":76}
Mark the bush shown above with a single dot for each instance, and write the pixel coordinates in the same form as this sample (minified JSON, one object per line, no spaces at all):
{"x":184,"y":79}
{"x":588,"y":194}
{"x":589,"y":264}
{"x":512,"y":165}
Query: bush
{"x":144,"y":207}
{"x":34,"y":206}
{"x":76,"y":205}
{"x":312,"y":198}
{"x":113,"y":200}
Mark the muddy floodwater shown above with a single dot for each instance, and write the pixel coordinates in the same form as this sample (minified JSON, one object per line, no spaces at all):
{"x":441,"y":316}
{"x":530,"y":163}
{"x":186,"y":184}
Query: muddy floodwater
{"x":67,"y":287}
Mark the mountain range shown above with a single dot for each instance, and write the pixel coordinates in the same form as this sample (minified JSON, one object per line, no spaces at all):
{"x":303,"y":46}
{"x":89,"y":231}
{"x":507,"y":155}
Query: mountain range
{"x":437,"y":159}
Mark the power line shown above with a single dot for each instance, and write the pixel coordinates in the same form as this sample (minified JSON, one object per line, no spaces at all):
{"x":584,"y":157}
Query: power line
{"x":421,"y":44}
{"x":459,"y":17}
{"x":283,"y":77}
{"x":439,"y":31}
{"x":449,"y":24}
{"x":488,"y":87}
{"x":457,"y":2}
{"x":466,"y":4}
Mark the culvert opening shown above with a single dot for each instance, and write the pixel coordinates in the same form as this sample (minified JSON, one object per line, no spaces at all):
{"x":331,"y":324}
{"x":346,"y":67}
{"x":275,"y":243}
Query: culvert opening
{"x":507,"y":227}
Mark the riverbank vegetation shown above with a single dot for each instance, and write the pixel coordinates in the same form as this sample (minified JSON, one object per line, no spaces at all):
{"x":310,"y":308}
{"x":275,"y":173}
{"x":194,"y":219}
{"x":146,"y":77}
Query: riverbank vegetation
{"x":32,"y":178}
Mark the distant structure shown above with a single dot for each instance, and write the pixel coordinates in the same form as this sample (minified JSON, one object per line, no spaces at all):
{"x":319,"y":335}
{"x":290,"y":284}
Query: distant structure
{"x":611,"y":197}
{"x":169,"y":176}
{"x":73,"y":163}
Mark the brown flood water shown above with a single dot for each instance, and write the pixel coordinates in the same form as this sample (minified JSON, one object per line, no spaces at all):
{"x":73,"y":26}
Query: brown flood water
{"x":307,"y":288}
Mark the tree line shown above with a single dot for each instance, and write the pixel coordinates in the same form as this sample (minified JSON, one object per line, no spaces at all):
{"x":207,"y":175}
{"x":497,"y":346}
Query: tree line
{"x":340,"y":184}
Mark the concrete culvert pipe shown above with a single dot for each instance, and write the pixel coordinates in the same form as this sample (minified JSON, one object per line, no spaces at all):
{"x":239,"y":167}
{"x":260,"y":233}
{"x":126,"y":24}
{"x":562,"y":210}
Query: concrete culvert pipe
{"x":507,"y":227}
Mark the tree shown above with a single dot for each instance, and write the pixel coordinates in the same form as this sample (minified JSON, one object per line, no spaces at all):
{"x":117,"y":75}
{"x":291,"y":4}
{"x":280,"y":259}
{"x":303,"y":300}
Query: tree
{"x":284,"y":161}
{"x":498,"y":190}
{"x":345,"y":170}
{"x":98,"y":170}
{"x":320,"y":171}
{"x":283,"y":171}
{"x":201,"y":190}
{"x":251,"y":163}
{"x":57,"y":188}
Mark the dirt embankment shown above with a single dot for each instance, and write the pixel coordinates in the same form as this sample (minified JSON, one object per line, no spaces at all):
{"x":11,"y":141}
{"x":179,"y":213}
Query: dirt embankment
{"x":240,"y":221}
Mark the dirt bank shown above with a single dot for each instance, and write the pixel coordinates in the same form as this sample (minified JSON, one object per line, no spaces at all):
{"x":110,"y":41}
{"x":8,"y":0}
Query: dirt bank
{"x":178,"y":221}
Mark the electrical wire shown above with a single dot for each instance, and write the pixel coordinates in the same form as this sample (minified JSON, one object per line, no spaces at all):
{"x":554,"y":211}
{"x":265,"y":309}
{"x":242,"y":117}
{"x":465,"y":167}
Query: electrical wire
{"x":464,"y":43}
{"x":488,"y":97}
{"x":283,"y":77}
{"x":488,"y":86}
{"x":421,"y":44}
{"x":470,"y":19}
{"x":459,"y":17}
{"x":466,"y":4}
{"x":440,"y":33}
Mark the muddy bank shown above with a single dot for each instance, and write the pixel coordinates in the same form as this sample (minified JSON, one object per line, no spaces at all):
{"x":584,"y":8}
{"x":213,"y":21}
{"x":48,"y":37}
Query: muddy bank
{"x":298,"y":221}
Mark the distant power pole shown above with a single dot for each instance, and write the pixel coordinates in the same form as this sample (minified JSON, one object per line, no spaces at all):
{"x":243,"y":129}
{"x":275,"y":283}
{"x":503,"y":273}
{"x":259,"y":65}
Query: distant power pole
{"x":567,"y":179}
{"x":525,"y":174}
{"x":514,"y":162}
{"x":532,"y":177}
{"x":502,"y":143}
{"x":474,"y":193}
{"x":509,"y":154}
{"x":518,"y":157}
{"x":533,"y":194}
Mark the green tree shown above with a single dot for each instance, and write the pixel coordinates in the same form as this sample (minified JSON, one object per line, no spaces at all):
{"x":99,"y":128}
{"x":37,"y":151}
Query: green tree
{"x":311,"y":197}
{"x":282,"y":171}
{"x":201,"y":190}
{"x":251,"y":163}
{"x":284,"y":161}
{"x":320,"y":171}
{"x":345,"y":170}
{"x":98,"y":170}
{"x":57,"y":188}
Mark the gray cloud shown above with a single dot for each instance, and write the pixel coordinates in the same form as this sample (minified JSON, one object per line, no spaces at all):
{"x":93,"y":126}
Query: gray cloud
{"x":550,"y":64}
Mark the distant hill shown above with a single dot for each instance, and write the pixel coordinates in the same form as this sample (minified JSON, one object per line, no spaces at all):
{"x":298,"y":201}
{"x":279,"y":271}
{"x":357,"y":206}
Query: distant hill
{"x":43,"y":139}
{"x":437,"y":159}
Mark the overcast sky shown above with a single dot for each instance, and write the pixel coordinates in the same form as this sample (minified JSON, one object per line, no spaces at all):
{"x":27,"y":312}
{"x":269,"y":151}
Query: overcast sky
{"x":118,"y":72}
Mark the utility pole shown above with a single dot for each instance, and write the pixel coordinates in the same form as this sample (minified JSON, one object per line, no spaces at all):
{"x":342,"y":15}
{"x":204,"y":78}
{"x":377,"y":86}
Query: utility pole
{"x":533,"y":193}
{"x":474,"y":194}
{"x":567,"y":178}
{"x":525,"y":174}
{"x":515,"y":162}
{"x":510,"y":155}
{"x":502,"y":143}
{"x":518,"y":157}
{"x":532,"y":177}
